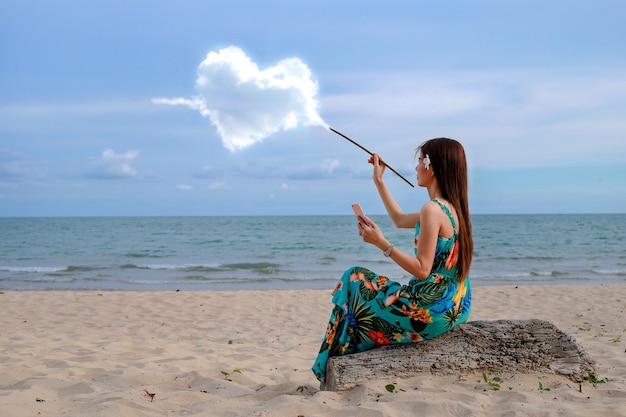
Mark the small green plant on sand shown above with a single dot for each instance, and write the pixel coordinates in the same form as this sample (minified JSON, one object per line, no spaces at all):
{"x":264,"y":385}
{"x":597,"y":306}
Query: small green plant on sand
{"x":542,"y":388}
{"x":391,"y":388}
{"x":618,"y":339}
{"x":228,"y":374}
{"x":494,"y":383}
{"x":595,"y":381}
{"x":302,"y":388}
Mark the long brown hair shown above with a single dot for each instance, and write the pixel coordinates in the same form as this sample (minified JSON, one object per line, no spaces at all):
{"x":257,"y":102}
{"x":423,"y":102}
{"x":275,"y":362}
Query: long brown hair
{"x":447,"y":158}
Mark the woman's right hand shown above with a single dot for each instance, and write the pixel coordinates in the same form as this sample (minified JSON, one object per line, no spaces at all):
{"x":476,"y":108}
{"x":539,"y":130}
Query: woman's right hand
{"x":379,"y":167}
{"x":401,"y":220}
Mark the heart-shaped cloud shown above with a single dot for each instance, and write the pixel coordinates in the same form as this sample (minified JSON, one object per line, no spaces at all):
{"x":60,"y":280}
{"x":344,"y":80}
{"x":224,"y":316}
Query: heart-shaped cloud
{"x":247,"y":104}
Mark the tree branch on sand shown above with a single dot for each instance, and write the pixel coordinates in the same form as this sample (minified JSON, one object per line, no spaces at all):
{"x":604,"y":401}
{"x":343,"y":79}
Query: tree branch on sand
{"x":519,"y":346}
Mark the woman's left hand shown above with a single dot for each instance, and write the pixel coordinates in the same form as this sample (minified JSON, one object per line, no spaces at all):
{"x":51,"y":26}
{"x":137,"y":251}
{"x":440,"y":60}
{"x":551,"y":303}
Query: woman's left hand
{"x":370,"y":232}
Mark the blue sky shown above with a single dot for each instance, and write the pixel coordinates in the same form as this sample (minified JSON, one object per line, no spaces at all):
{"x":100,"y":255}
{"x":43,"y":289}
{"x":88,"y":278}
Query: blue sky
{"x":535,"y":90}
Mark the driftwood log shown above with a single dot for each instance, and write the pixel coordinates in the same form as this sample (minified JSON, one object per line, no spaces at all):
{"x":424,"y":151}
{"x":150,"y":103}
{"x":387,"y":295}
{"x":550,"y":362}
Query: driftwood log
{"x":518,"y":346}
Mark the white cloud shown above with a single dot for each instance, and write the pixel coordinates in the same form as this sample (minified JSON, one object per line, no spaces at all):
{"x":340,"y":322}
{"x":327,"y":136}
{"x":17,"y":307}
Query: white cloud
{"x":247,"y":104}
{"x":14,"y":165}
{"x":208,"y":171}
{"x":111,"y":165}
{"x":327,"y":169}
{"x":184,"y":187}
{"x":508,"y":118}
{"x":218,"y":185}
{"x":329,"y":165}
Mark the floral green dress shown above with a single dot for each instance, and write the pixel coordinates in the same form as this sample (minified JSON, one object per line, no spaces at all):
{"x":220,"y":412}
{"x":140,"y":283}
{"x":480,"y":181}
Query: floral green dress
{"x":371,"y":310}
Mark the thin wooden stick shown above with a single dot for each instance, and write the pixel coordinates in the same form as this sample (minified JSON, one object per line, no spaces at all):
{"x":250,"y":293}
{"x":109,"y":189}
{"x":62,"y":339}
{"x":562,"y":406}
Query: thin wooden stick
{"x":366,"y":150}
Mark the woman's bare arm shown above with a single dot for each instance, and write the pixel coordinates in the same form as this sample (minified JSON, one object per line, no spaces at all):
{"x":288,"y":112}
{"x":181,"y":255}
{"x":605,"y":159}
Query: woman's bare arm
{"x":421,"y":265}
{"x":399,"y":218}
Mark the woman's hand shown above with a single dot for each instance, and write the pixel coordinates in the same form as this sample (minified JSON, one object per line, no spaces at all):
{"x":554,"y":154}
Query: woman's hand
{"x":371,"y":233}
{"x":379,"y":167}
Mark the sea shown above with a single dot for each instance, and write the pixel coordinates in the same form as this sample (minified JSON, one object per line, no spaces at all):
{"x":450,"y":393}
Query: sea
{"x":290,"y":252}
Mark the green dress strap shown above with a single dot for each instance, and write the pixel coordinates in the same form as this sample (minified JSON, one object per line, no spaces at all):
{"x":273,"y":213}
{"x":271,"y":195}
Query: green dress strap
{"x":447,"y":211}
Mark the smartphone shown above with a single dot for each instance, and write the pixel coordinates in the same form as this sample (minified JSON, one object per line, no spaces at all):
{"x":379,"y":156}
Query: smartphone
{"x":358,"y":211}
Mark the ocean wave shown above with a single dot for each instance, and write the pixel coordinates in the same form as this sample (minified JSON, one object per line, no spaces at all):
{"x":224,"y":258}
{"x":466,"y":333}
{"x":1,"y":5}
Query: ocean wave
{"x":258,"y":267}
{"x":173,"y":267}
{"x":618,"y":272}
{"x":49,"y":270}
{"x":147,"y":254}
{"x":548,"y":273}
{"x":35,"y":269}
{"x":48,"y":280}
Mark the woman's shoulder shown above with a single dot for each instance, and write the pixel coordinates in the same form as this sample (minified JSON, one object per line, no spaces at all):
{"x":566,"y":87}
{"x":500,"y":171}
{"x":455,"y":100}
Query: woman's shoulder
{"x":438,"y":213}
{"x":430,"y":213}
{"x":430,"y":207}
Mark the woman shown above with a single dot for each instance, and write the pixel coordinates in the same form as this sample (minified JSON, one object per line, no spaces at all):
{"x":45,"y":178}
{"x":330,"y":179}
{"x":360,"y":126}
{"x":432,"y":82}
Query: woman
{"x":371,"y":310}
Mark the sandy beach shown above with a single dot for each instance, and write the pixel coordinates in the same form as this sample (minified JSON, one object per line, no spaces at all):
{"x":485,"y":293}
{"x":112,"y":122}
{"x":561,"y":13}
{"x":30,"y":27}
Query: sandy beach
{"x":249,"y":353}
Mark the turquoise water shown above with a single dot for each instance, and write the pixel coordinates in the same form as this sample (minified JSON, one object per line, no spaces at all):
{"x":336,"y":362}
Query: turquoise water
{"x":291,"y":252}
